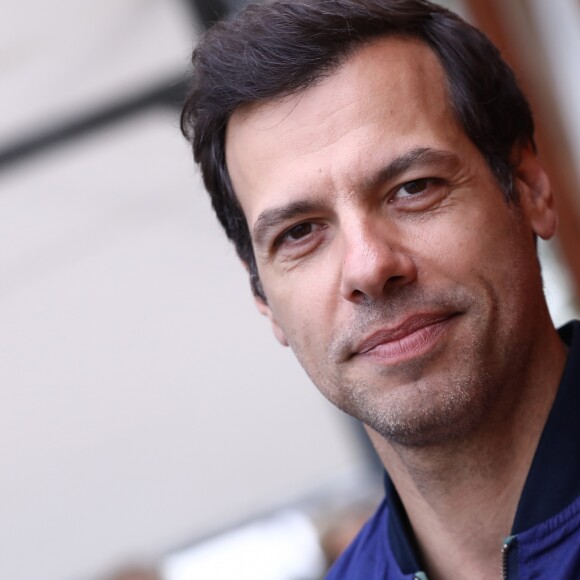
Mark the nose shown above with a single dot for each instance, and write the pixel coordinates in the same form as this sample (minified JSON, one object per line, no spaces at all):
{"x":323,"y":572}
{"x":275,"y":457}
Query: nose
{"x":374,"y":261}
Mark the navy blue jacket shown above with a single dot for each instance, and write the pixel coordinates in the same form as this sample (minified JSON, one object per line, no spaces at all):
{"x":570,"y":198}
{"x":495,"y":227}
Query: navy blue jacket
{"x":545,"y":538}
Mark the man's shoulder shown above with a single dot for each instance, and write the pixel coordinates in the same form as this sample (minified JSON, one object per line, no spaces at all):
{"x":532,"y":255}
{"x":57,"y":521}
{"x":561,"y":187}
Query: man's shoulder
{"x":369,"y":557}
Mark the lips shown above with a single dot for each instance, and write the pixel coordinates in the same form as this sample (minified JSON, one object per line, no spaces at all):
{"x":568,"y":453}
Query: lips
{"x":412,"y":336}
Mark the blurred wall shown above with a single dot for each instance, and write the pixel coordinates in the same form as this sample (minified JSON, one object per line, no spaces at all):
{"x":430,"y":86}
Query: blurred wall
{"x":144,"y":401}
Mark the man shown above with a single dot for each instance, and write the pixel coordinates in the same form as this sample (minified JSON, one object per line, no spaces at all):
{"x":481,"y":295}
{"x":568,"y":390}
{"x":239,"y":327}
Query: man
{"x":374,"y":163}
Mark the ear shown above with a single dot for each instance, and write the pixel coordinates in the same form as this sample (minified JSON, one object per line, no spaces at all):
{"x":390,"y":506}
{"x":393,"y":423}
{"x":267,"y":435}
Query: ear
{"x":276,"y":329}
{"x":535,"y":193}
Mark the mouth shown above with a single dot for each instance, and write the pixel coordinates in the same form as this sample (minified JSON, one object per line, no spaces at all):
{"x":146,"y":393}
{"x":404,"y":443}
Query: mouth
{"x":411,"y":338}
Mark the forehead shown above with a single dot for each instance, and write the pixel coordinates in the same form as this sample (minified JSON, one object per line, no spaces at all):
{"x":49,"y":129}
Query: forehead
{"x":388,"y":96}
{"x":387,"y":62}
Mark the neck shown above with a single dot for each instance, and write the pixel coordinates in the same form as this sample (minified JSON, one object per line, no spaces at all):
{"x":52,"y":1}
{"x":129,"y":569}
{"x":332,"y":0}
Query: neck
{"x":461,"y":495}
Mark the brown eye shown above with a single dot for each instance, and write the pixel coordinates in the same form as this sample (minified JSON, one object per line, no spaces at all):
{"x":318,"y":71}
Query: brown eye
{"x":416,"y":186}
{"x":419,"y":194}
{"x":299,"y":231}
{"x":300,"y":238}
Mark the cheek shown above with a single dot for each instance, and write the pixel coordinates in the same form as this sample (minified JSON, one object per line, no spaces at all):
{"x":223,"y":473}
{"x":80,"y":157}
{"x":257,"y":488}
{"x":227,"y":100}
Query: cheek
{"x":304,"y":304}
{"x":475,"y":239}
{"x":443,"y":250}
{"x":491,"y":252}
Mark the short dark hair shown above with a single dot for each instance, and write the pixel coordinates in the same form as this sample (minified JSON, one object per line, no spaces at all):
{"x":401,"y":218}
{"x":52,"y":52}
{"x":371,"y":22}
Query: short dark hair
{"x":278,"y":49}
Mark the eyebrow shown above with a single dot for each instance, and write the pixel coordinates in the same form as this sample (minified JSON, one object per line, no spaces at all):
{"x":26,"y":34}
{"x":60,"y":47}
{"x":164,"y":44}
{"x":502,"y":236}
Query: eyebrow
{"x":271,"y":218}
{"x":406,"y":161}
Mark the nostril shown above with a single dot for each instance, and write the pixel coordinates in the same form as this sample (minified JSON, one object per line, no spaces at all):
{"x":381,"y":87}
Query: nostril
{"x":396,"y":280}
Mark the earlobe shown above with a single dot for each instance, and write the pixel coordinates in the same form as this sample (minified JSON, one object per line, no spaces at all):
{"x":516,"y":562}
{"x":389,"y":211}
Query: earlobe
{"x":276,"y":329}
{"x":535,"y":193}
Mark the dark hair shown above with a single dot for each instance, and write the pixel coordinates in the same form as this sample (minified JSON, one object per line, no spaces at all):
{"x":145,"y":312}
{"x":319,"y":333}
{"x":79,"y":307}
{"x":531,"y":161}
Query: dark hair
{"x":274,"y":50}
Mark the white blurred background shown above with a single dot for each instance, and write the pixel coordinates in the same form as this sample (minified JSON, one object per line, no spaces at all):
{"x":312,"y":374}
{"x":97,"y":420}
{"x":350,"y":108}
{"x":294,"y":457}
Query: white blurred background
{"x":144,"y":405}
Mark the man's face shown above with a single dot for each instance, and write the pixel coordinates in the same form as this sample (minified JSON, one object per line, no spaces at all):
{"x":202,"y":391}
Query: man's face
{"x":391,"y":263}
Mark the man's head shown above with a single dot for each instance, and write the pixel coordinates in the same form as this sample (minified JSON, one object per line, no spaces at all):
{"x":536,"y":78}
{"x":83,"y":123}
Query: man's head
{"x":274,"y":50}
{"x":377,"y":195}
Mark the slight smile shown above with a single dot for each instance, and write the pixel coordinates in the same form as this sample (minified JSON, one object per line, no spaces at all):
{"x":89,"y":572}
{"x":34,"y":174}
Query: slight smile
{"x":413,"y":337}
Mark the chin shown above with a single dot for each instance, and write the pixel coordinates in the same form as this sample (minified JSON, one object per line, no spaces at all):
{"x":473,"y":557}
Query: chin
{"x":417,"y":415}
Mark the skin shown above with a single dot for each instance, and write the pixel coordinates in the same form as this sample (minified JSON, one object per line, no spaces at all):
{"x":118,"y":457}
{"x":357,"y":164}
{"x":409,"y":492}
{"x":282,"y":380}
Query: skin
{"x":404,"y":283}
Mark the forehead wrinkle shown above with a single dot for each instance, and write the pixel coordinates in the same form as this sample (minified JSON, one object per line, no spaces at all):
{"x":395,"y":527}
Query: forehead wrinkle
{"x":323,"y":123}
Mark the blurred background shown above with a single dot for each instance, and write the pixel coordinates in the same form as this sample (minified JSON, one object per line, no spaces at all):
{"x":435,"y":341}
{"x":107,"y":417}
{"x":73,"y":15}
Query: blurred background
{"x":150,"y":427}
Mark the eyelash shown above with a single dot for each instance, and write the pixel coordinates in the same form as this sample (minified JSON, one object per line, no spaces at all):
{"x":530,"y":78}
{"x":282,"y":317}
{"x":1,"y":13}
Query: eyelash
{"x":424,"y":181}
{"x":285,"y":236}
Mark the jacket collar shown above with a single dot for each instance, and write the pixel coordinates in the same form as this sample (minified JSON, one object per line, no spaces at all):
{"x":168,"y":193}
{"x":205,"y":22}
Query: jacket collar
{"x":553,"y":481}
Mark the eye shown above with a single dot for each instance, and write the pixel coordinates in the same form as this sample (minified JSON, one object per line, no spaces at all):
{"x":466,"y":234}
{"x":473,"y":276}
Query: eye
{"x":420,"y":194}
{"x":414,"y":187}
{"x":300,"y":237}
{"x":297,"y":232}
